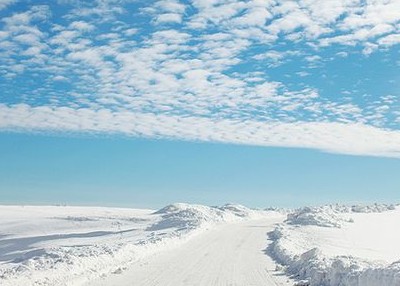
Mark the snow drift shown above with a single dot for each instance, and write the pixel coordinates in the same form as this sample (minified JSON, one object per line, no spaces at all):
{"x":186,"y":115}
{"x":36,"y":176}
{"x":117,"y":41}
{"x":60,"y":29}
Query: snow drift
{"x":340,"y":245}
{"x":186,"y":217}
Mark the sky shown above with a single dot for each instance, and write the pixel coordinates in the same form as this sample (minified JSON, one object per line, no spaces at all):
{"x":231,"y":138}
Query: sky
{"x":126,"y":172}
{"x":146,"y":102}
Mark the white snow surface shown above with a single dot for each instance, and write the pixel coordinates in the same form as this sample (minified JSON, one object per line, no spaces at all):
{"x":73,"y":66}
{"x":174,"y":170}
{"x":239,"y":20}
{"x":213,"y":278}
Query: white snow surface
{"x":332,"y":215}
{"x":231,"y":254}
{"x":340,"y":246}
{"x":185,"y":244}
{"x":64,"y":245}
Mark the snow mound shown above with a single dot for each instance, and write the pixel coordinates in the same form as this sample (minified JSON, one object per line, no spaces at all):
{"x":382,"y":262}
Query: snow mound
{"x":279,"y":210}
{"x":375,"y":208}
{"x":317,"y":270}
{"x":332,"y":215}
{"x":326,"y":216}
{"x":314,"y":243}
{"x":186,"y":217}
{"x":242,"y":211}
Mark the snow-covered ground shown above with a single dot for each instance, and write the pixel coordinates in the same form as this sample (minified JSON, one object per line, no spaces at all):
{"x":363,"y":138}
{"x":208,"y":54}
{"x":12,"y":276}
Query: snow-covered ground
{"x":183,"y":244}
{"x":336,"y":245}
{"x":59,"y":245}
{"x":231,"y":254}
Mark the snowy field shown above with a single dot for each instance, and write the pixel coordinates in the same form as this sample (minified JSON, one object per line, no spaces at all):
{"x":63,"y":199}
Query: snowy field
{"x":184,"y":244}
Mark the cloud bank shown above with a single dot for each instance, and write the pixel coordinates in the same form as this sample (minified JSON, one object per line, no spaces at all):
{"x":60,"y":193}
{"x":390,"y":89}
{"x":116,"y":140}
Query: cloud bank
{"x":268,"y":73}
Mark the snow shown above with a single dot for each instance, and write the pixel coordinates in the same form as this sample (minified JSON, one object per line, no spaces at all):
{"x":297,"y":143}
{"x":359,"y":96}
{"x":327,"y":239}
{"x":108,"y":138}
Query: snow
{"x":56,"y":245}
{"x":337,"y":245}
{"x":230,"y":254}
{"x":51,"y":245}
{"x":332,"y":215}
{"x":325,"y":216}
{"x":186,"y":244}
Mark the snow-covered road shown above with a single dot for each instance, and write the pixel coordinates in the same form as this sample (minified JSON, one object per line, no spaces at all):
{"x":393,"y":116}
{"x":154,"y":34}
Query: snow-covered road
{"x":184,"y":244}
{"x":231,"y":254}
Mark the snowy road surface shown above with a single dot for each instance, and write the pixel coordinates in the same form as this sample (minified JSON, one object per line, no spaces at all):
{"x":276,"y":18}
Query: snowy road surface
{"x":231,"y":254}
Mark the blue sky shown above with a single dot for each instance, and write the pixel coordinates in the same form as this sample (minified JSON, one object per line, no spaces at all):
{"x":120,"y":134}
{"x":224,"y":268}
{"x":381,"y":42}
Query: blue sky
{"x":225,"y":84}
{"x":130,"y":172}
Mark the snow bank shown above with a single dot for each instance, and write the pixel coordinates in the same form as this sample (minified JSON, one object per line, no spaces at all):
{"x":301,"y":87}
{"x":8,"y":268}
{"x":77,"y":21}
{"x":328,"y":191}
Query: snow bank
{"x":332,"y":215}
{"x":284,"y":211}
{"x":313,"y":244}
{"x":186,"y":218}
{"x":375,"y":208}
{"x":321,"y":216}
{"x":69,"y":246}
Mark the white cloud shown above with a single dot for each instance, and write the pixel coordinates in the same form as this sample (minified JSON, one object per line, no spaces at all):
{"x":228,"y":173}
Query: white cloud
{"x":169,"y":18}
{"x":28,"y":39}
{"x":331,"y":137}
{"x":303,"y":73}
{"x":207,"y":77}
{"x":5,"y":3}
{"x":60,"y":78}
{"x":170,"y":6}
{"x":130,"y":31}
{"x":342,"y":54}
{"x":40,"y":12}
{"x":82,"y":26}
{"x":389,"y":40}
{"x":103,"y":10}
{"x":276,"y":58}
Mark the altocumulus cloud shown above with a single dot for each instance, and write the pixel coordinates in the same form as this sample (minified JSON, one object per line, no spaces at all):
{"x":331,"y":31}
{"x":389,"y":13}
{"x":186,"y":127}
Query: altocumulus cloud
{"x":243,"y":72}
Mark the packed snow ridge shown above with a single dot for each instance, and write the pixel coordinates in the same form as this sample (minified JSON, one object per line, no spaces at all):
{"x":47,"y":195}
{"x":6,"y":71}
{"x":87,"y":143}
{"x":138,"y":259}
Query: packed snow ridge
{"x":72,"y":245}
{"x":340,"y":246}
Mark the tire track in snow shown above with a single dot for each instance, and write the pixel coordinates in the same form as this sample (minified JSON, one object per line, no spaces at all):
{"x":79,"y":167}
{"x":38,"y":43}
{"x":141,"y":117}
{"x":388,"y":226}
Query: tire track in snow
{"x":229,"y":255}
